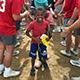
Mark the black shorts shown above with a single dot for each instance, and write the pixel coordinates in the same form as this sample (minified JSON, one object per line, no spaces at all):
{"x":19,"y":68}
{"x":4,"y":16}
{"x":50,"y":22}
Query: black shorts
{"x":77,"y":32}
{"x":8,"y":40}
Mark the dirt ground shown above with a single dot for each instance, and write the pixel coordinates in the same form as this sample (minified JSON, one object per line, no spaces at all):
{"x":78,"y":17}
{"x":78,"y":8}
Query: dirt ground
{"x":59,"y":66}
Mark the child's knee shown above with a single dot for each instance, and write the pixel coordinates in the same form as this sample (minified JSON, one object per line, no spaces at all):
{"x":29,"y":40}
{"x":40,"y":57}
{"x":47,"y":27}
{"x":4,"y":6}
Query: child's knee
{"x":43,"y":55}
{"x":32,"y":55}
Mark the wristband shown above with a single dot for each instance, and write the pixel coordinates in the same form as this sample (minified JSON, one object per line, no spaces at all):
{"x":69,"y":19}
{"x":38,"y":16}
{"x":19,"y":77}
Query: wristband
{"x":72,"y":19}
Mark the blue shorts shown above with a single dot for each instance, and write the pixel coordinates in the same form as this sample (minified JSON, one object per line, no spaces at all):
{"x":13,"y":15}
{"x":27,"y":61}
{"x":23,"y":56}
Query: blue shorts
{"x":42,"y":52}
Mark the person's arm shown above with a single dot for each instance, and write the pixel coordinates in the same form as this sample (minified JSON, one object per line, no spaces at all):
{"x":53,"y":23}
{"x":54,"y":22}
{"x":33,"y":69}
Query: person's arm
{"x":19,"y":17}
{"x":62,"y":10}
{"x":17,"y":7}
{"x":75,"y":14}
{"x":73,"y":17}
{"x":48,"y":32}
{"x":68,"y":30}
{"x":29,"y":29}
{"x":72,"y":27}
{"x":76,"y":24}
{"x":58,"y":2}
{"x":30,"y":36}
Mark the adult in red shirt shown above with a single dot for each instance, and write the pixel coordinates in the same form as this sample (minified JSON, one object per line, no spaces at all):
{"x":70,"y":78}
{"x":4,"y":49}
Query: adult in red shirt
{"x":68,"y":9}
{"x":68,"y":30}
{"x":37,"y":27}
{"x":9,"y":13}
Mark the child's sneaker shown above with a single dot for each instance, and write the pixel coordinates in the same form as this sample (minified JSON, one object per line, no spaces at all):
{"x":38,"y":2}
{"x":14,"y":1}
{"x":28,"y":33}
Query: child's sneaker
{"x":75,"y":52}
{"x":75,"y":62}
{"x":10,"y":73}
{"x":32,"y":72}
{"x":1,"y":68}
{"x":64,"y":52}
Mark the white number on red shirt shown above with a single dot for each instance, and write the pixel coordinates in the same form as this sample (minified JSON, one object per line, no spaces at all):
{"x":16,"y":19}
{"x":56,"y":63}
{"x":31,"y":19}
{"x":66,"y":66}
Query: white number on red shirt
{"x":2,"y":5}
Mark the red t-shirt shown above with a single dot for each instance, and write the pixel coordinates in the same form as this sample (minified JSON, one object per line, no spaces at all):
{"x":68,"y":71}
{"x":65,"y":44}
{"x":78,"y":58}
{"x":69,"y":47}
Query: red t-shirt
{"x":78,"y":6}
{"x":7,"y":9}
{"x":69,"y":8}
{"x":37,"y":29}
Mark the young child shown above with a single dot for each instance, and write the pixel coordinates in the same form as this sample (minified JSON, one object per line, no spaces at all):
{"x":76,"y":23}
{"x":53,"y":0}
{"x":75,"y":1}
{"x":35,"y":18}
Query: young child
{"x":38,"y":27}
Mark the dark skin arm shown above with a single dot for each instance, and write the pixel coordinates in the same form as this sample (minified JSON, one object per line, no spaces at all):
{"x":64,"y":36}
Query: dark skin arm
{"x":48,"y":32}
{"x":30,"y":36}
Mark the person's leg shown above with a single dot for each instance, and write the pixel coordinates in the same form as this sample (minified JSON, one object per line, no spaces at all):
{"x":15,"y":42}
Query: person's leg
{"x":32,"y":54}
{"x":63,"y":42}
{"x":43,"y":55}
{"x":9,"y":41}
{"x":77,"y":41}
{"x":68,"y":46}
{"x":8,"y":56}
{"x":75,"y":49}
{"x":32,"y":72}
{"x":77,"y":38}
{"x":68,"y":42}
{"x":1,"y":57}
{"x":1,"y":52}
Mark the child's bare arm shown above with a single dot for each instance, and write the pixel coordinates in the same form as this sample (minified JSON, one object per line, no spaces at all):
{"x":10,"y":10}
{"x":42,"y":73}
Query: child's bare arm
{"x":30,"y":36}
{"x":48,"y":32}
